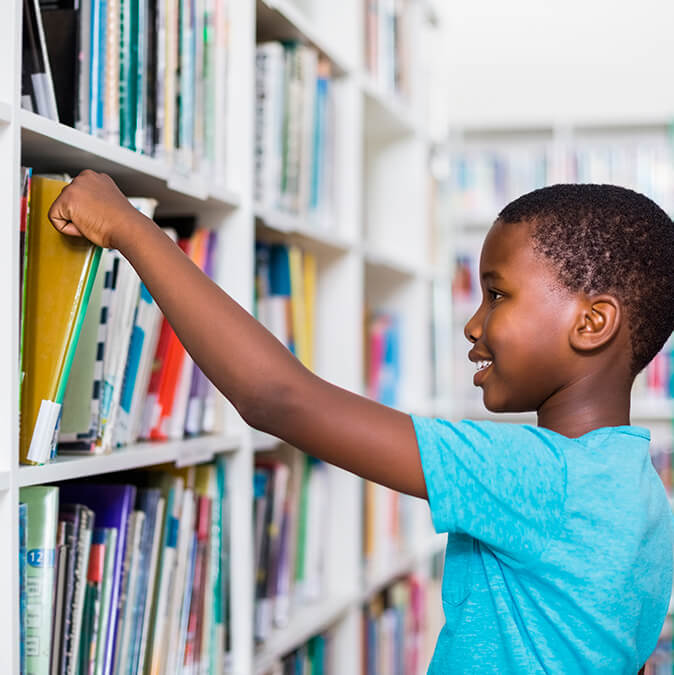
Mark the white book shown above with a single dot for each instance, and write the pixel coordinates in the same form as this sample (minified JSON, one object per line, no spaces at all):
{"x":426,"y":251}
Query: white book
{"x":308,"y":61}
{"x":221,"y":36}
{"x":151,"y":582}
{"x":127,"y":597}
{"x":311,"y":586}
{"x":174,"y":608}
{"x":269,"y":93}
{"x":167,"y":574}
{"x":120,"y":323}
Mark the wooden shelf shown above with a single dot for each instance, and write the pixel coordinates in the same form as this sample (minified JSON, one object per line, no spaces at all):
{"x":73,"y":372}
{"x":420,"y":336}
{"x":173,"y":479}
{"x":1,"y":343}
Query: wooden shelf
{"x":183,"y":453}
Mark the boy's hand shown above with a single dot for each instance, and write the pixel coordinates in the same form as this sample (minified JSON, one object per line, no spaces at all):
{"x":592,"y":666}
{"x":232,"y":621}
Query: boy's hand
{"x":92,"y":206}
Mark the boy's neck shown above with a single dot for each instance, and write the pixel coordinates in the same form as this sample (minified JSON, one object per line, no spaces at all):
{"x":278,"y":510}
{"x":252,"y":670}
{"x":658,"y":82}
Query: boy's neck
{"x":582,"y":407}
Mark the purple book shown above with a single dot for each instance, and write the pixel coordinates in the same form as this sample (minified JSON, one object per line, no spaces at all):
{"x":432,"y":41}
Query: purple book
{"x":199,"y":388}
{"x":112,"y":505}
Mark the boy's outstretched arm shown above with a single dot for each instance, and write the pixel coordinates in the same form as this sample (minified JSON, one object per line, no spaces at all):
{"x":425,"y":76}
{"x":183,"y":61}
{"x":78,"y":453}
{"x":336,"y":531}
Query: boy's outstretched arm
{"x":269,"y":387}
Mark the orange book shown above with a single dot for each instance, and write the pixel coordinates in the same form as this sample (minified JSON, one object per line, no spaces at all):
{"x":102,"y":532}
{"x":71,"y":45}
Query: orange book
{"x":176,"y":357}
{"x":59,"y":278}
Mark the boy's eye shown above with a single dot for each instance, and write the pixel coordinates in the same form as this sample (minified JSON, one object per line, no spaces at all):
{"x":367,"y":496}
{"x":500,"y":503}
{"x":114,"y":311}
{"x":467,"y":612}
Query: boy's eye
{"x":494,"y":295}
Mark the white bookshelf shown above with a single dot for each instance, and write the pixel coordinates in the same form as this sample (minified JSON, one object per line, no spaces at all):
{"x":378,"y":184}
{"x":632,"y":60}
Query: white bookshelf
{"x":377,"y":254}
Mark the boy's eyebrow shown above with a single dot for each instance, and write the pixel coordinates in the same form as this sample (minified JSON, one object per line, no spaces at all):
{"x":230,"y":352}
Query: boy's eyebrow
{"x":491,"y":274}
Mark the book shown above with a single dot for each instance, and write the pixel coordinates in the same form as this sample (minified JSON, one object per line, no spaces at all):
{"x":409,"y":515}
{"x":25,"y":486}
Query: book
{"x":41,"y":519}
{"x":91,"y":616}
{"x":78,"y":526}
{"x":23,"y":541}
{"x":54,"y":314}
{"x":37,"y":85}
{"x":110,"y":535}
{"x":127,"y":593}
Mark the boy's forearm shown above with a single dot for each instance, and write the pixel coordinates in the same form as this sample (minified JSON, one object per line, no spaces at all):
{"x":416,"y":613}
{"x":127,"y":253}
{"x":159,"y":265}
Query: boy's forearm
{"x":211,"y":325}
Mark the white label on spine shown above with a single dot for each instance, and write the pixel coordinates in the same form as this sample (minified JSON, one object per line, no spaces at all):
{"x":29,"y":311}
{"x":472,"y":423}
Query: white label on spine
{"x":43,"y":432}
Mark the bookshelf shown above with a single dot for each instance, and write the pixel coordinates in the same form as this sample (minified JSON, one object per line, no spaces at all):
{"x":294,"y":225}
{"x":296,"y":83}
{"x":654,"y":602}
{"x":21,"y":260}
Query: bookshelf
{"x":375,"y":255}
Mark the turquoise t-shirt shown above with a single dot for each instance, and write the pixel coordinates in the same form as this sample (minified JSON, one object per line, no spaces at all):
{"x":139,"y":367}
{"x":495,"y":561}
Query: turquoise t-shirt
{"x":559,"y":554}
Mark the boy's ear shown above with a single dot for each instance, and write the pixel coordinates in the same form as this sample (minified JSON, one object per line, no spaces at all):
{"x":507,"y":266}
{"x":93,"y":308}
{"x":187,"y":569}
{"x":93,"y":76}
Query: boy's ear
{"x":597,"y":322}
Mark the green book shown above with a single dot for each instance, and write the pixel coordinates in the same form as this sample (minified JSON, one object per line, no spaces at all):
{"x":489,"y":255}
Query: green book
{"x":42,"y":504}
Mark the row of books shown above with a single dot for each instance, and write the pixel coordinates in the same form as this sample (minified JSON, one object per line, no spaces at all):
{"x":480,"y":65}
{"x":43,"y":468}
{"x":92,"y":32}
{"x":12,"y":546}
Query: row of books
{"x":387,"y":526}
{"x":290,"y":498}
{"x":387,"y":44}
{"x":126,"y":577}
{"x":149,"y":75}
{"x":393,"y":629}
{"x":285,"y":296}
{"x":484,"y":181}
{"x":382,"y":358}
{"x":312,"y":658}
{"x":657,"y":379}
{"x":100,"y":365}
{"x":294,"y":132}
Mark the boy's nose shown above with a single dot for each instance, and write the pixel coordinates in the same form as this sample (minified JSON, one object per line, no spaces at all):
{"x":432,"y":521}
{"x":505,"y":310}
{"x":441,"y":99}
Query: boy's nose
{"x":473,"y":328}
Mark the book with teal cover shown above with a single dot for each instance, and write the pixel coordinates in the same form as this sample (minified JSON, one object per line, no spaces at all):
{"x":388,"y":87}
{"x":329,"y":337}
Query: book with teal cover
{"x":41,"y":523}
{"x":23,"y":511}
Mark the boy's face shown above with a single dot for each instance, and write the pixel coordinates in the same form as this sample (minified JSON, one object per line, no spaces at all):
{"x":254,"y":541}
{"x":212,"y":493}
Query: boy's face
{"x":521,"y":327}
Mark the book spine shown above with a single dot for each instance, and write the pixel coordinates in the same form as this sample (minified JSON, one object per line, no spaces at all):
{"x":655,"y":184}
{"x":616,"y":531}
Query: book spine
{"x":41,"y":518}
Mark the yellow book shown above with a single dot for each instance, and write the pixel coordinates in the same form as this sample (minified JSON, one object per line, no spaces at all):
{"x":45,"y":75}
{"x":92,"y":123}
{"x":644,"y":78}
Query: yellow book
{"x":297,"y":303}
{"x":59,"y":278}
{"x":309,"y":306}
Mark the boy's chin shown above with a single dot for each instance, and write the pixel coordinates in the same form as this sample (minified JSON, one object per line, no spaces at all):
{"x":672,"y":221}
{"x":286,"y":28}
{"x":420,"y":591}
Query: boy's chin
{"x":501,"y":404}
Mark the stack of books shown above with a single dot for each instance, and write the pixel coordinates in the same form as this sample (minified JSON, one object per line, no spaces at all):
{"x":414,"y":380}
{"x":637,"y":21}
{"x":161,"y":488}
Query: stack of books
{"x":294,"y":132}
{"x":100,"y":365}
{"x":126,"y":577}
{"x":387,"y":44}
{"x":285,"y":296}
{"x":393,"y":629}
{"x":383,"y":358}
{"x":149,"y":75}
{"x":289,"y":512}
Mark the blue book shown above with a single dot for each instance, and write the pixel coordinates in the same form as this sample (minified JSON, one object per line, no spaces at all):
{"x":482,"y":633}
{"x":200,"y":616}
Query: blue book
{"x":112,"y":505}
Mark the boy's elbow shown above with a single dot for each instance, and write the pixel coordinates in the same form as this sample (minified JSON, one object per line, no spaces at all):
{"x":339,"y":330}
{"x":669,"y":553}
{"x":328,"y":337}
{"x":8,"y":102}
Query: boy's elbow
{"x":267,"y":408}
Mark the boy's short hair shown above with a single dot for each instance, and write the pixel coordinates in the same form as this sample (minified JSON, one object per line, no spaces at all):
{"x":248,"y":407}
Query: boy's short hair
{"x":608,"y":239}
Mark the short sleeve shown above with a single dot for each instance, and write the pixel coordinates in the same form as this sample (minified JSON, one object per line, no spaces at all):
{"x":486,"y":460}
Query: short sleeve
{"x":503,"y":484}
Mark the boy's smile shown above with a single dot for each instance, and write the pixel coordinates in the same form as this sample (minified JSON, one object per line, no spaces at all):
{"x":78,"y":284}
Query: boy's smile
{"x":520,"y":330}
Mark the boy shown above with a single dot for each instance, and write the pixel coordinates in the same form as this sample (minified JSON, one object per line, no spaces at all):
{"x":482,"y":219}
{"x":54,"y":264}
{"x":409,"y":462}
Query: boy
{"x":559,"y":553}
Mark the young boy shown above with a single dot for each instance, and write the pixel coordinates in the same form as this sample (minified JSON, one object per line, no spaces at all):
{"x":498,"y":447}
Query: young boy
{"x":559,"y":553}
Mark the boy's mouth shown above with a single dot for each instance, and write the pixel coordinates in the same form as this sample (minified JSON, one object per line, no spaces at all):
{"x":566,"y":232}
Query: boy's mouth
{"x":483,"y":369}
